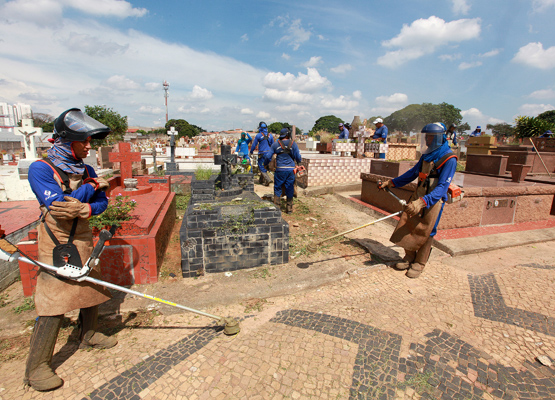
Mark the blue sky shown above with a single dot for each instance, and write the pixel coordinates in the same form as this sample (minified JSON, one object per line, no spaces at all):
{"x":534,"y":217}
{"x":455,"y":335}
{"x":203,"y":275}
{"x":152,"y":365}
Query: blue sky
{"x":231,"y":64}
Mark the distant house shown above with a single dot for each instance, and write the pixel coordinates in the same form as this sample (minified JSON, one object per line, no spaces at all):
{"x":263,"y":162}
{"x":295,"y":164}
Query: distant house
{"x":10,"y":142}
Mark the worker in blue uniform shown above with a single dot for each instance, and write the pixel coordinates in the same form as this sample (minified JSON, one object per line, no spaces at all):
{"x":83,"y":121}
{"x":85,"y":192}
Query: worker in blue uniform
{"x":287,"y":155}
{"x":343,"y":131}
{"x":380,"y":134}
{"x":452,"y":134}
{"x":264,"y":141}
{"x":242,"y":148}
{"x":418,"y":224}
{"x":476,"y":132}
{"x":68,"y":192}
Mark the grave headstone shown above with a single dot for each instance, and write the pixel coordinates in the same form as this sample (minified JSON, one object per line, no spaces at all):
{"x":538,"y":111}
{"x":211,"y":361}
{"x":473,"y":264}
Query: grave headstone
{"x":172,"y":165}
{"x":226,"y":160}
{"x":91,"y":159}
{"x":126,"y":158}
{"x":104,"y":157}
{"x":29,"y":132}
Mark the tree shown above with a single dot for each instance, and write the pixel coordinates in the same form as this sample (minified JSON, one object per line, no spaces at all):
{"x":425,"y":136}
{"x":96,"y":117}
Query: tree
{"x":548,"y":116}
{"x":328,"y":123}
{"x":112,"y":120}
{"x":461,"y":128}
{"x":532,"y":126}
{"x":184,"y":128}
{"x":501,"y":130}
{"x":414,"y":116}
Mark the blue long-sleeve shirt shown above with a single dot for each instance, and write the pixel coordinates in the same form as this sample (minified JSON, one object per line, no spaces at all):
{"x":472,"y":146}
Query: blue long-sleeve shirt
{"x":381,"y":133}
{"x":47,"y":190}
{"x":344,"y":134}
{"x":446,"y":173}
{"x":243,"y":146}
{"x":283,"y":160}
{"x":263,"y":145}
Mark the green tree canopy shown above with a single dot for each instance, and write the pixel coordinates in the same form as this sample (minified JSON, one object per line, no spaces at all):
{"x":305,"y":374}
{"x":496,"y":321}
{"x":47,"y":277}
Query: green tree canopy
{"x":184,"y":128}
{"x":328,"y":123}
{"x":461,"y":128}
{"x":532,"y":126}
{"x":548,"y":116}
{"x":501,"y":130}
{"x":414,"y":116}
{"x":111,"y":119}
{"x":44,"y":121}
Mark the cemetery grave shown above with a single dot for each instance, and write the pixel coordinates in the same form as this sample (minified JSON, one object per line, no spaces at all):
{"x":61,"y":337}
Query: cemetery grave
{"x":228,"y":227}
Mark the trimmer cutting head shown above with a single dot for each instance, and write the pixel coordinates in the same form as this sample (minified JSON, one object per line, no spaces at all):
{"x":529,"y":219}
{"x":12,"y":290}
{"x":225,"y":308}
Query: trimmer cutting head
{"x":231,"y":326}
{"x":312,"y":247}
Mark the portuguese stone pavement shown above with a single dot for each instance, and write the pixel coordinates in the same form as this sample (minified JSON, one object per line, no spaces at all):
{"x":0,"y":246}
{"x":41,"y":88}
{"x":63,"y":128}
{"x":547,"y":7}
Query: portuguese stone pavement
{"x":451,"y":334}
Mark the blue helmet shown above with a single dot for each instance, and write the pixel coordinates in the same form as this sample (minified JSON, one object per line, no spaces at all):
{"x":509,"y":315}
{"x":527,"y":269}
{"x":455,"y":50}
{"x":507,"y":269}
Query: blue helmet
{"x":436,"y":127}
{"x":285,"y":132}
{"x":433,"y":138}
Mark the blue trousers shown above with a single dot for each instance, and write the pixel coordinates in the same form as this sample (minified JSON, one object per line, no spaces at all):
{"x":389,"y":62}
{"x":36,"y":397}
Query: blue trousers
{"x":261,"y":162}
{"x":287,"y":177}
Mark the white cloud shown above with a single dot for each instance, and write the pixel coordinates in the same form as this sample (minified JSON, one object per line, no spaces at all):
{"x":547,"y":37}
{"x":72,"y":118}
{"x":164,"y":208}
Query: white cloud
{"x":296,"y":35}
{"x":121,"y":82}
{"x":357,"y":94}
{"x":49,"y":12}
{"x":201,"y":94}
{"x":245,"y":38}
{"x":341,"y":68}
{"x":534,"y":55}
{"x":533,"y":110}
{"x":321,"y":37}
{"x":287,"y":96}
{"x":423,"y":36}
{"x":475,"y":118}
{"x":247,"y":111}
{"x":314,"y":61}
{"x":467,"y":65}
{"x":153,"y":86}
{"x":543,"y":94}
{"x":150,"y":110}
{"x":285,"y":56}
{"x":396,"y":99}
{"x":194,"y":109}
{"x":310,"y":83}
{"x":491,"y":53}
{"x":461,"y":7}
{"x":542,"y":5}
{"x":263,"y":114}
{"x":338,"y":103}
{"x":450,"y":57}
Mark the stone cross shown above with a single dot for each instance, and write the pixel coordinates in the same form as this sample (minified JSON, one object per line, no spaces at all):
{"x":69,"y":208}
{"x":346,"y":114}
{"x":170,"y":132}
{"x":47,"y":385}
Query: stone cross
{"x":126,"y":158}
{"x":29,"y":131}
{"x":154,"y":158}
{"x":172,"y":132}
{"x":226,"y":160}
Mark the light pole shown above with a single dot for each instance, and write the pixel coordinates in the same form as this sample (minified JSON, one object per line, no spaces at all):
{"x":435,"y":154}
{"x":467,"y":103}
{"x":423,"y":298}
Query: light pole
{"x":166,"y":87}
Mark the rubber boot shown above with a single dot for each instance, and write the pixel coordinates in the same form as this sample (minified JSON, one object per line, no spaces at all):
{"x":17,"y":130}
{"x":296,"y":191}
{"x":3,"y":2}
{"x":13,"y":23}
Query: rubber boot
{"x":407,"y":260}
{"x":267,"y":179}
{"x":277,"y":201}
{"x":289,"y":208}
{"x":90,"y":338}
{"x":422,"y":256}
{"x":38,"y":373}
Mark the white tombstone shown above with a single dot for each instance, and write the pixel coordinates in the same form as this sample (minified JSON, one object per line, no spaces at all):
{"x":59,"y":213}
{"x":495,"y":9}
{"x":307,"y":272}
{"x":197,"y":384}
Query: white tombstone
{"x":29,"y":131}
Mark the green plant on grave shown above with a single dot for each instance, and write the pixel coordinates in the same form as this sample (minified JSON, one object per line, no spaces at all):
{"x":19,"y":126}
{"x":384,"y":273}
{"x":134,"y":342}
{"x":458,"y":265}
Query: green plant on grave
{"x":119,"y":210}
{"x":181,"y":201}
{"x":325,"y":137}
{"x":203,"y":173}
{"x":237,"y":224}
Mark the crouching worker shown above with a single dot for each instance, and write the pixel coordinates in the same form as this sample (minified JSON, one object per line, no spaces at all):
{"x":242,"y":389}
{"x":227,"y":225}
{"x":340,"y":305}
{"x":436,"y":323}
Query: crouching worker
{"x":69,"y":192}
{"x":418,"y":224}
{"x":287,"y":153}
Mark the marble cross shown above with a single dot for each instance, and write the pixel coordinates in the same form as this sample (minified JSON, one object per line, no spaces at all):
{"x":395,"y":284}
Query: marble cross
{"x":29,"y":131}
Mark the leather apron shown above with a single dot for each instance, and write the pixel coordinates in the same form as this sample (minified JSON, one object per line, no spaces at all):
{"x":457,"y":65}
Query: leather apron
{"x":54,"y":296}
{"x":412,"y":232}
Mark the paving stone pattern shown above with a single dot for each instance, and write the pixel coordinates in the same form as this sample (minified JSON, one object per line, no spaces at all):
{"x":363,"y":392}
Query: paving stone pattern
{"x":133,"y":381}
{"x":489,"y":304}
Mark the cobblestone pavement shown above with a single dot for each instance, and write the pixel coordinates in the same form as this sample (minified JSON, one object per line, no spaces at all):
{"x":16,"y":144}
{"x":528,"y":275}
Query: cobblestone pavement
{"x":451,"y":334}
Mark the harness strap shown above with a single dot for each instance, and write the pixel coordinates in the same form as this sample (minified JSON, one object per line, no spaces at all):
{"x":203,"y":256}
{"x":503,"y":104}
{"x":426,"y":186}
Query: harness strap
{"x":55,"y":239}
{"x":64,"y":177}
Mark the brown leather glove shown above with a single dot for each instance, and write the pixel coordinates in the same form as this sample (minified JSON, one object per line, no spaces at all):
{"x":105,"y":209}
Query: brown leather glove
{"x":414,"y":207}
{"x":102,"y":184}
{"x":69,"y":209}
{"x":384,"y":184}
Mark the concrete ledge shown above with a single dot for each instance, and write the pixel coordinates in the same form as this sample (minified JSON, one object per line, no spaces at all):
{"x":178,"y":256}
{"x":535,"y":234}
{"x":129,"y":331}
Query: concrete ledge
{"x":320,"y":190}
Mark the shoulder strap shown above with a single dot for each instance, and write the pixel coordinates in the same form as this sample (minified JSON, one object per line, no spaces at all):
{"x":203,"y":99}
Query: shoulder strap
{"x":61,"y":174}
{"x":444,"y":159}
{"x":55,"y":239}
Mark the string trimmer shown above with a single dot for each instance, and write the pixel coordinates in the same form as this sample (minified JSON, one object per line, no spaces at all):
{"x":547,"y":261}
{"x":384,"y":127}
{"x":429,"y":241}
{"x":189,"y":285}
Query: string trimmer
{"x":312,"y":247}
{"x":9,"y":252}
